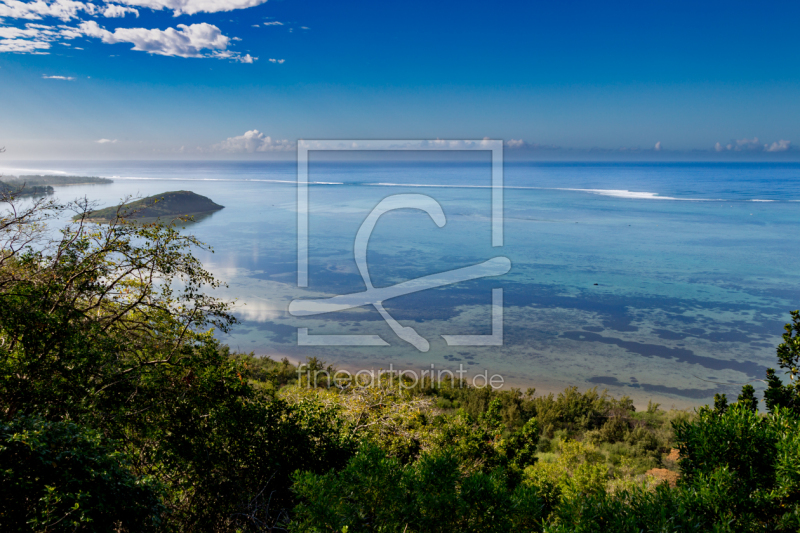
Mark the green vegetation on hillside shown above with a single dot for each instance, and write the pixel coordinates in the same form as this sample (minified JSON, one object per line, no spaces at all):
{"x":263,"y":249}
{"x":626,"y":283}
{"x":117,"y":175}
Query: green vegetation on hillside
{"x":166,"y":205}
{"x":119,"y":411}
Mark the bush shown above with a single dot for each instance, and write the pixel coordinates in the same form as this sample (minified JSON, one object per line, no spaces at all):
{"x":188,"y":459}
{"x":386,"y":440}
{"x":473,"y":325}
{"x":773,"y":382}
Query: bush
{"x":377,"y":493}
{"x":58,"y":476}
{"x":737,"y":439}
{"x":579,"y":470}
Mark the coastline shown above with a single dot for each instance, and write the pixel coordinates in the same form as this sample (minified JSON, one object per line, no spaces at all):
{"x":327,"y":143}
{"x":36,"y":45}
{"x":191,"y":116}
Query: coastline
{"x":543,"y":387}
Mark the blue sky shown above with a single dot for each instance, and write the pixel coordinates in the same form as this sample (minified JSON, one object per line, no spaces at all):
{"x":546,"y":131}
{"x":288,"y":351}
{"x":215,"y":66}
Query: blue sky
{"x":247,"y":78}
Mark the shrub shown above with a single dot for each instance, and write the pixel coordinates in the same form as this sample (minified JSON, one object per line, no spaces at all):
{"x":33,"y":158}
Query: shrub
{"x":377,"y":493}
{"x":58,"y":476}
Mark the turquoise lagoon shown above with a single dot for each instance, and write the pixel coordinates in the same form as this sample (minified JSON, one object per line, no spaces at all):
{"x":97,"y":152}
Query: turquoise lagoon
{"x":662,"y":281}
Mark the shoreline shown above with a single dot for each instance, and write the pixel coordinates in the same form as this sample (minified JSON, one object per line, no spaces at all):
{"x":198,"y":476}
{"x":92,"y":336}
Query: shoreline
{"x":541,"y":387}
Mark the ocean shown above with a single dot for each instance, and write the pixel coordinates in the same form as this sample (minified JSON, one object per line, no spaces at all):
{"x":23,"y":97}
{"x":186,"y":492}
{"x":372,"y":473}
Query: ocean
{"x":662,"y":281}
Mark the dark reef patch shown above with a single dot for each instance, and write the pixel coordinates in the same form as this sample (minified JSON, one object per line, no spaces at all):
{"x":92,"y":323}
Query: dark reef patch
{"x":682,"y":355}
{"x":696,"y":394}
{"x":668,"y":335}
{"x":281,"y":333}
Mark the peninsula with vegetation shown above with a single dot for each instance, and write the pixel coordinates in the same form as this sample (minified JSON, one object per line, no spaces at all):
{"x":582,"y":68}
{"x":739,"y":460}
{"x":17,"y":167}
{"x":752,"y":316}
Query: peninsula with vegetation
{"x":39,"y":180}
{"x":167,"y":205}
{"x":41,"y":185}
{"x":19,"y":190}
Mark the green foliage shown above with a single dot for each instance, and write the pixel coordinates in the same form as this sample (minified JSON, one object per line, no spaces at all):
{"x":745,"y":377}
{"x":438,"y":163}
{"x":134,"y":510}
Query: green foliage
{"x":471,"y":442}
{"x":748,"y":398}
{"x":58,"y":476}
{"x":579,"y":470}
{"x":664,"y":509}
{"x":88,"y":319}
{"x":614,"y":430}
{"x":119,"y":411}
{"x":736,"y":438}
{"x":744,"y":465}
{"x":108,"y":327}
{"x":227,"y":452}
{"x":720,"y":403}
{"x":777,"y":394}
{"x":377,"y":493}
{"x":519,"y":448}
{"x":265,"y":371}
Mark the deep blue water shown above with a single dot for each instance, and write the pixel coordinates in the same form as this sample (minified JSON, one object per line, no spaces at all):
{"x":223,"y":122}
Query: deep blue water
{"x":611,"y":284}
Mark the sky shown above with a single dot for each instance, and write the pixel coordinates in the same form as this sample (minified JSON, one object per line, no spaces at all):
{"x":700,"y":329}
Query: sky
{"x":247,"y":78}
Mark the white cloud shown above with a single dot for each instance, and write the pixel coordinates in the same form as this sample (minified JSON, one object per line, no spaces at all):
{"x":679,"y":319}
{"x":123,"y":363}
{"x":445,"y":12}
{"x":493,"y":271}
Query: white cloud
{"x":68,"y":32}
{"x":106,"y":141}
{"x":273,"y":23}
{"x":278,"y":61}
{"x":33,"y":38}
{"x":523,"y":145}
{"x":191,"y":7}
{"x":185,"y":41}
{"x":195,"y":40}
{"x":115,"y":11}
{"x":753,"y":145}
{"x":779,"y":146}
{"x":253,"y":141}
{"x":23,"y":46}
{"x":8,"y":32}
{"x":61,"y":9}
{"x":746,"y":145}
{"x":68,"y":78}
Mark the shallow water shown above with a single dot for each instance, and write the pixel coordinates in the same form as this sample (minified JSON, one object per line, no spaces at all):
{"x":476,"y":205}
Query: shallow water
{"x":664,"y":281}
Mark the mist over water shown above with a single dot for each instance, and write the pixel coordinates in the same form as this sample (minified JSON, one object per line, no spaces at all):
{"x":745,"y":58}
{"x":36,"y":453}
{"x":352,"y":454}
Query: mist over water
{"x":664,"y":281}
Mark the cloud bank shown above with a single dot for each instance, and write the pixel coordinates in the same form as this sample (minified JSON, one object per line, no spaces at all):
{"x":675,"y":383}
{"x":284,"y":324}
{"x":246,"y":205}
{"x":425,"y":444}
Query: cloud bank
{"x":192,"y":7}
{"x":252,"y":141}
{"x":753,"y":145}
{"x":65,"y":10}
{"x":185,"y":41}
{"x":199,"y":40}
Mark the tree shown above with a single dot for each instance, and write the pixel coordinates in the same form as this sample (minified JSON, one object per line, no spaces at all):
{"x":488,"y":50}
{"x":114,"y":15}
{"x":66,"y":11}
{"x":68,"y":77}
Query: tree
{"x":58,"y":476}
{"x":109,"y":327}
{"x":778,"y":394}
{"x":89,"y":313}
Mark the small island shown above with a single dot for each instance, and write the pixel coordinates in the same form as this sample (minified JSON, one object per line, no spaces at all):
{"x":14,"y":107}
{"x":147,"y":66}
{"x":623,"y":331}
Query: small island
{"x":169,"y":205}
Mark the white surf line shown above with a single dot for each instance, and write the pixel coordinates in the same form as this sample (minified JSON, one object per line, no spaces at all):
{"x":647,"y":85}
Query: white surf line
{"x":36,"y":170}
{"x":223,"y":179}
{"x":617,"y":193}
